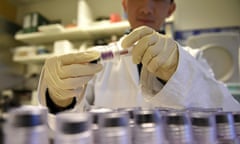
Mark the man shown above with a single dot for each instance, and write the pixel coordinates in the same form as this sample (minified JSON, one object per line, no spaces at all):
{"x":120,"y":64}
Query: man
{"x":160,"y":73}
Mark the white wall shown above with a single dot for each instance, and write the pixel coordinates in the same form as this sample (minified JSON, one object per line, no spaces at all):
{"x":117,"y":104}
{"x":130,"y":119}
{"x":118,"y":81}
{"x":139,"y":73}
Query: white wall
{"x":190,"y":14}
{"x":195,"y":14}
{"x":66,"y":10}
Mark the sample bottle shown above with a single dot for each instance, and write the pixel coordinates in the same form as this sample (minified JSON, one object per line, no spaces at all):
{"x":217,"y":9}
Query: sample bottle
{"x":26,"y":125}
{"x":225,"y":128}
{"x":148,"y":127}
{"x":114,"y":128}
{"x":96,"y":113}
{"x":73,"y":128}
{"x":178,"y":128}
{"x":204,"y":128}
{"x":236,"y":117}
{"x":130,"y":111}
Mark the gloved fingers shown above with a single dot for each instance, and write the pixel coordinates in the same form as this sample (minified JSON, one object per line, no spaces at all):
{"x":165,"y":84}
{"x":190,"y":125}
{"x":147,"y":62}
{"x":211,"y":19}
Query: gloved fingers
{"x":145,"y":44}
{"x":145,"y":49}
{"x":62,"y":94}
{"x":78,"y":70}
{"x":149,"y":55}
{"x":156,"y":62}
{"x":78,"y":58}
{"x":54,"y":80}
{"x":162,"y":49}
{"x":135,"y":35}
{"x":167,"y":56}
{"x":51,"y":76}
{"x":163,"y":61}
{"x":74,"y":83}
{"x":159,"y":48}
{"x":164,"y":65}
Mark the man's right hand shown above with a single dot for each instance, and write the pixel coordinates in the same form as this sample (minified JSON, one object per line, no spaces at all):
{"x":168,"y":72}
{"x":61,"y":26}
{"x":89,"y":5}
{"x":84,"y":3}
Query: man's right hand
{"x":67,"y":74}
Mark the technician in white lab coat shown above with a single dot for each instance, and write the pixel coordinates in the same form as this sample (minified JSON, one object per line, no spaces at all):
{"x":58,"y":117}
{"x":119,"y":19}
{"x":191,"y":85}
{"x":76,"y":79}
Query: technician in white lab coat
{"x":171,"y":75}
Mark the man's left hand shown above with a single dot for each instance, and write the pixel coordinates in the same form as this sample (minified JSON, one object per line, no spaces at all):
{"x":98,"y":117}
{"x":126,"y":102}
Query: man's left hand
{"x":157,"y":52}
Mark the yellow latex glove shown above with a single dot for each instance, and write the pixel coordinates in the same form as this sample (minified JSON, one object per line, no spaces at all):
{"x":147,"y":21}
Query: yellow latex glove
{"x":157,"y":52}
{"x":66,"y":75}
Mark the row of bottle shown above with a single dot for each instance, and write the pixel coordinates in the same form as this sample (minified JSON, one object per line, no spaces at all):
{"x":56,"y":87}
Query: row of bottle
{"x":28,"y":125}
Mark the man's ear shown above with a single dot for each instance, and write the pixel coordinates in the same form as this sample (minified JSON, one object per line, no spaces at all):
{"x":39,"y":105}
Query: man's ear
{"x":124,"y":5}
{"x":171,"y":9}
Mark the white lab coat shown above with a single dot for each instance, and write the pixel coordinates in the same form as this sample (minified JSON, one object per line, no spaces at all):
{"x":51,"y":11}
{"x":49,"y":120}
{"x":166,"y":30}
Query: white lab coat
{"x":119,"y":85}
{"x":192,"y":85}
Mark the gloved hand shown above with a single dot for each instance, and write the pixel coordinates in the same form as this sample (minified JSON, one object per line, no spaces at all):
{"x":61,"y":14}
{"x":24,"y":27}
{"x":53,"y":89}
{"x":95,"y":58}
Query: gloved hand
{"x":67,"y":74}
{"x":158,"y":53}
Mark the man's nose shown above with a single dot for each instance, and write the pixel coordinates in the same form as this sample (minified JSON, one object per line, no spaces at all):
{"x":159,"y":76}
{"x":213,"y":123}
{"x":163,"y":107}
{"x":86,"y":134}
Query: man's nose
{"x":147,"y":6}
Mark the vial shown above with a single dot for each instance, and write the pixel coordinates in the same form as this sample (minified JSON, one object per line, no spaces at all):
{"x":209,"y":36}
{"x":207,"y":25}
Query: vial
{"x":27,"y":125}
{"x":236,"y":117}
{"x":114,"y":128}
{"x":148,"y":127}
{"x":96,"y":113}
{"x":130,"y":111}
{"x":178,"y":127}
{"x":225,"y":128}
{"x":73,"y":128}
{"x":204,"y":128}
{"x":112,"y":52}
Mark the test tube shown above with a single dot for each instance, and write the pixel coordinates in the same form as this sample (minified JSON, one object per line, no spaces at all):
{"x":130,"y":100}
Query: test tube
{"x":204,"y":128}
{"x":178,"y":128}
{"x":114,"y":128}
{"x":27,"y":125}
{"x":112,"y":52}
{"x":148,"y":127}
{"x":73,"y":128}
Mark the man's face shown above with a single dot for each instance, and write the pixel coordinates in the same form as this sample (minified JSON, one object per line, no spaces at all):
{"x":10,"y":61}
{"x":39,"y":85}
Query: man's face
{"x":150,"y":13}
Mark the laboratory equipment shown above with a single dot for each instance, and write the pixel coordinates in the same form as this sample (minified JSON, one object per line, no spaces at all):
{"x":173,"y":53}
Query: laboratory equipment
{"x":236,"y":117}
{"x":112,"y":52}
{"x":203,"y":110}
{"x":225,"y":128}
{"x":178,"y":128}
{"x":96,"y":112}
{"x":114,"y":128}
{"x":148,"y":127}
{"x":221,"y":51}
{"x":73,"y":128}
{"x":26,"y":125}
{"x":130,"y":111}
{"x":204,"y":128}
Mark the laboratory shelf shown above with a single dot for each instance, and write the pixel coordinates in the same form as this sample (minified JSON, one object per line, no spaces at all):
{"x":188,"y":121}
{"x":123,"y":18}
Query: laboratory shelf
{"x":93,"y":31}
{"x":35,"y":59}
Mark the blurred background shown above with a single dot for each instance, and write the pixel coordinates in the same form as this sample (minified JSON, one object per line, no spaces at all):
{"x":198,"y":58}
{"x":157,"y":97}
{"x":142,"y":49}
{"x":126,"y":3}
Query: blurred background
{"x":33,"y":30}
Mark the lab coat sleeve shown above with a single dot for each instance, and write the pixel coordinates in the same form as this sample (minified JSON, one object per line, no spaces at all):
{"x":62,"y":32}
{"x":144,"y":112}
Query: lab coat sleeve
{"x":192,"y":85}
